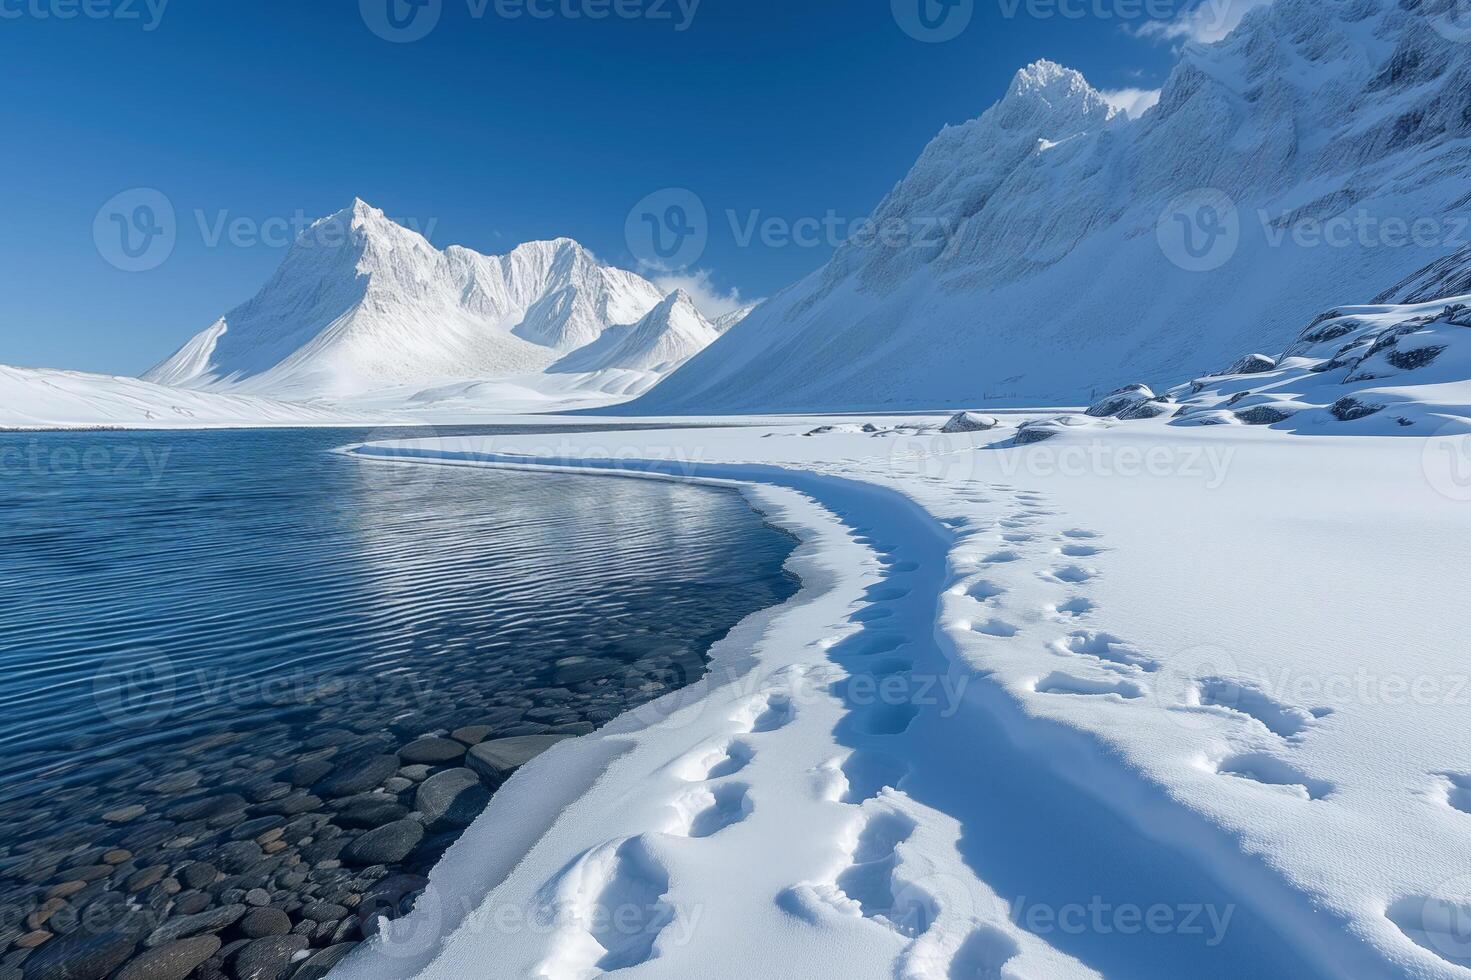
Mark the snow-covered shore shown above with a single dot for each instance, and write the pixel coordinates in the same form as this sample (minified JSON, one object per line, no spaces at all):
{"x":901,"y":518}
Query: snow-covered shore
{"x":1131,"y":701}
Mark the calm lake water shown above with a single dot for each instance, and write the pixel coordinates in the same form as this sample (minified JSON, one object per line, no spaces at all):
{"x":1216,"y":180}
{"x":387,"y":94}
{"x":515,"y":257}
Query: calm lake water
{"x":185,"y":614}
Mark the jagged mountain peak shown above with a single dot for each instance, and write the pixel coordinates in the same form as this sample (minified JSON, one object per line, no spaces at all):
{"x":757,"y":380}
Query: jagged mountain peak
{"x":361,"y":302}
{"x":1051,"y":224}
{"x":1047,"y":86}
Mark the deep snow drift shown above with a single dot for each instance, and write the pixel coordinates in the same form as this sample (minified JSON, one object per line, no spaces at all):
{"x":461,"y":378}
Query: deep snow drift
{"x":1315,"y":156}
{"x":362,"y":305}
{"x":1136,"y":700}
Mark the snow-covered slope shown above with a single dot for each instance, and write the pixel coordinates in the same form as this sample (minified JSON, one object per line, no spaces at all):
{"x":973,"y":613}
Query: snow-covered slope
{"x":1393,"y":368}
{"x":70,"y":399}
{"x":1359,"y":369}
{"x":722,"y":324}
{"x":671,"y":333}
{"x":1041,"y":247}
{"x":361,"y":303}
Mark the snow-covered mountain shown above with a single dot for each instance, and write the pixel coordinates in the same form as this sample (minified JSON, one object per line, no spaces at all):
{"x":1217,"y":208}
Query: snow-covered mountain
{"x":361,"y":304}
{"x":1054,"y":243}
{"x":671,"y":333}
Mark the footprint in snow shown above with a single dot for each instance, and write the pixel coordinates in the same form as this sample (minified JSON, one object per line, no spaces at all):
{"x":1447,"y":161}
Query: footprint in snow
{"x":869,"y":774}
{"x":1060,"y":683}
{"x":995,"y":627}
{"x":707,"y":810}
{"x":867,"y":644}
{"x":983,"y":955}
{"x":1439,"y":923}
{"x":716,"y":761}
{"x":621,"y":877}
{"x":768,"y":713}
{"x":1069,"y":575}
{"x":1074,"y":608}
{"x":885,"y":719}
{"x":1268,"y":770}
{"x":1281,"y":719}
{"x":870,"y":883}
{"x":984,"y":591}
{"x":1107,"y":648}
{"x":1457,"y":791}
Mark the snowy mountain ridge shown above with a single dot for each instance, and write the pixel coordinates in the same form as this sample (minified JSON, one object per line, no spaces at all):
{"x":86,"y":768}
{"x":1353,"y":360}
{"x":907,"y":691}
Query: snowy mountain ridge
{"x":1058,"y":211}
{"x":361,"y":303}
{"x":671,"y":333}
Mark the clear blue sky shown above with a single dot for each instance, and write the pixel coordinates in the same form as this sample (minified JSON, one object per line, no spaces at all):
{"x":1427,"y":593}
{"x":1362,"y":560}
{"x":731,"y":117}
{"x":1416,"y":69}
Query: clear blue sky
{"x":491,"y":130}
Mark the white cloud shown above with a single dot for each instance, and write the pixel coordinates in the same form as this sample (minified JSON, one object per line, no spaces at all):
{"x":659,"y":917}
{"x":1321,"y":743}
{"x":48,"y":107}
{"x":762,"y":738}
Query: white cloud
{"x":709,"y":300}
{"x":1134,"y":102}
{"x":1206,"y":22}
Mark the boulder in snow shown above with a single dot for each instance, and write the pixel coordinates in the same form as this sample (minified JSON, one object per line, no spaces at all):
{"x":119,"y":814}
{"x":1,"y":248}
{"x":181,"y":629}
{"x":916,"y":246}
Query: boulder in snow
{"x":970,"y":422}
{"x":1263,"y":415}
{"x":1115,"y":403}
{"x":1253,"y":364}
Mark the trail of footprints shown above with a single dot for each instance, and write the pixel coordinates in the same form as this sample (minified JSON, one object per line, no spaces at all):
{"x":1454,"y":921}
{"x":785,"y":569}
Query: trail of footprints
{"x":1120,"y":672}
{"x":1435,"y":923}
{"x":870,"y":883}
{"x":626,"y":875}
{"x":622,"y":883}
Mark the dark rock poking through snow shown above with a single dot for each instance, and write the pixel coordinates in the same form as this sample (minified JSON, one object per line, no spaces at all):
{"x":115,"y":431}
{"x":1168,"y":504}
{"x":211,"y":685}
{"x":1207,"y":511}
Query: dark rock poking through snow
{"x":1253,"y":364}
{"x":1349,"y":365}
{"x":1263,"y":415}
{"x":1131,"y":403}
{"x":1040,"y":430}
{"x":1116,"y":402}
{"x":969,"y":422}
